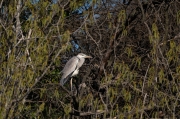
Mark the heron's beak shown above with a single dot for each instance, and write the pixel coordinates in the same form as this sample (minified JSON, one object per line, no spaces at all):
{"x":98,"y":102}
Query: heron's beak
{"x":88,"y":56}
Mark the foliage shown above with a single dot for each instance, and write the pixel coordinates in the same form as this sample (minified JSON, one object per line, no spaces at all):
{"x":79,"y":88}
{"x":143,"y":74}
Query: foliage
{"x":135,"y":68}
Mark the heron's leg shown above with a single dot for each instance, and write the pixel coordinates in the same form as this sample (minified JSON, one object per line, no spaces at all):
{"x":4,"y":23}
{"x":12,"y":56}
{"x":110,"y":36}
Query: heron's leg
{"x":71,"y":84}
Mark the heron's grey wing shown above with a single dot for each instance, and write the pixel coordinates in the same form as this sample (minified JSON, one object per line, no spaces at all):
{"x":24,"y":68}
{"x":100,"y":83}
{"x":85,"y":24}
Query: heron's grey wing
{"x":69,"y":69}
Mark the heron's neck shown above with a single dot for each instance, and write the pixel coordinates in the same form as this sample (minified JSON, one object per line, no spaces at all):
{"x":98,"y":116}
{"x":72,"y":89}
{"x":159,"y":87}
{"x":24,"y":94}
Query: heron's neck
{"x":78,"y":57}
{"x":80,"y":62}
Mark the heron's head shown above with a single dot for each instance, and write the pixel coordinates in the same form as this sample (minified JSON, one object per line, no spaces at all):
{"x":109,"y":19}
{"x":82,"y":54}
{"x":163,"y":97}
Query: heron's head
{"x":83,"y":55}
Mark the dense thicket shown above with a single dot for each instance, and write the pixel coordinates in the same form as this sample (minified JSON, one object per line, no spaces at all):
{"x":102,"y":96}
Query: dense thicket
{"x":134,"y":72}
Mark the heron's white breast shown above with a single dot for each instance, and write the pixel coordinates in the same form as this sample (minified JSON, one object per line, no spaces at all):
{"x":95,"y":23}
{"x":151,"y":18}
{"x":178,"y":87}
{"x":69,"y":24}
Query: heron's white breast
{"x":75,"y":72}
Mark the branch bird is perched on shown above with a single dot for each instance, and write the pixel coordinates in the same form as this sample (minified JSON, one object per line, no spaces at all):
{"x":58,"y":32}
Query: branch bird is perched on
{"x":72,"y":67}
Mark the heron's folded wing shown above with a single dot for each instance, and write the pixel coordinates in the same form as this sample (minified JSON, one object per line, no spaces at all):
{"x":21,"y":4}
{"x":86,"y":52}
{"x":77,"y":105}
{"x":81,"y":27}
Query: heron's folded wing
{"x":69,"y":68}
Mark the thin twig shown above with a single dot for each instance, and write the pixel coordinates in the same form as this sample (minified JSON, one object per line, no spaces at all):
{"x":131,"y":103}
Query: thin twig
{"x":144,"y":101}
{"x":145,"y":79}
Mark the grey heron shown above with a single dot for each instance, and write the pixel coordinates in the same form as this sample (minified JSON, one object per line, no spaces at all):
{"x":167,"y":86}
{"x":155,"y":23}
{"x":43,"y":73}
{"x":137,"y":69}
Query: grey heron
{"x":72,"y":67}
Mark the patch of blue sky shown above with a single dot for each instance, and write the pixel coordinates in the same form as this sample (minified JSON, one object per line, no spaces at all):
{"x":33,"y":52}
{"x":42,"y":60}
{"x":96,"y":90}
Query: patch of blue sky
{"x":54,"y":1}
{"x":83,"y":8}
{"x":75,"y":46}
{"x":36,"y":1}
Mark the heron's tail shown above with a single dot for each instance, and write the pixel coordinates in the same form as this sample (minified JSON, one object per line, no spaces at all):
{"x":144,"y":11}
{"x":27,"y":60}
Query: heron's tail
{"x":62,"y":81}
